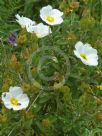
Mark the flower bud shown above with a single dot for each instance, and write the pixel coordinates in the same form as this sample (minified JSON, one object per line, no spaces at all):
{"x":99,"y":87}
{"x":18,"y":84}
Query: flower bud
{"x":4,"y":119}
{"x":71,"y":38}
{"x":99,"y":116}
{"x":46,"y":123}
{"x":74,"y":5}
{"x":29,"y":115}
{"x":26,"y":87}
{"x":25,"y":53}
{"x":22,"y":37}
{"x":99,"y":101}
{"x":14,"y":62}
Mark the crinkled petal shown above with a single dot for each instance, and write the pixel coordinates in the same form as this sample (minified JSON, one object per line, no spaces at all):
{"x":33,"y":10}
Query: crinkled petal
{"x":15,"y":91}
{"x":6,"y":96}
{"x":6,"y":99}
{"x":77,"y":53}
{"x":24,"y":100}
{"x":79,"y":47}
{"x":17,"y":16}
{"x":45,"y":10}
{"x":24,"y":21}
{"x":58,"y":20}
{"x":16,"y":108}
{"x":84,"y":61}
{"x":93,"y":60}
{"x":90,"y":50}
{"x":41,"y":30}
{"x":7,"y":105}
{"x":56,"y":12}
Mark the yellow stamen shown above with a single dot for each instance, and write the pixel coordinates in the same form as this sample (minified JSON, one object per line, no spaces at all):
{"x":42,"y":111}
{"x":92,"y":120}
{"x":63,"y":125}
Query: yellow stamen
{"x":83,"y":56}
{"x":50,"y":19}
{"x":14,"y":101}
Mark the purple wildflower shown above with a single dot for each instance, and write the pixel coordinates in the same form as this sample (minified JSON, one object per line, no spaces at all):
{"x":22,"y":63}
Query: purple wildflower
{"x":12,"y":38}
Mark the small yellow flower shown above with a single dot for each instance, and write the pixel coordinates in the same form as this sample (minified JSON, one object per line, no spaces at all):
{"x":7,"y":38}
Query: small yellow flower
{"x":71,"y":37}
{"x":99,"y":87}
{"x":46,"y":123}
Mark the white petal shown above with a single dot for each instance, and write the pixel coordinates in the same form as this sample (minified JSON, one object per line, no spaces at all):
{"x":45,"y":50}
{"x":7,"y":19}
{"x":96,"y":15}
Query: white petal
{"x":23,"y":100}
{"x":57,"y":12}
{"x":6,"y":99}
{"x":87,"y":45}
{"x":24,"y":21}
{"x":79,"y":46}
{"x":8,"y":106}
{"x":45,"y":10}
{"x":90,"y":50}
{"x":15,"y":91}
{"x":77,"y":53}
{"x":23,"y":97}
{"x":93,"y":56}
{"x":93,"y":60}
{"x":84,"y":61}
{"x":16,"y":108}
{"x":6,"y":96}
{"x":30,"y":29}
{"x":41,"y":30}
{"x":58,"y":20}
{"x":17,"y":16}
{"x":78,"y":56}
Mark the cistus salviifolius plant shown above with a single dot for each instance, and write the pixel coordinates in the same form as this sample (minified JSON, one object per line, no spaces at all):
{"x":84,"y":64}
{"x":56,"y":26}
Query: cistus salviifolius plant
{"x":51,"y":68}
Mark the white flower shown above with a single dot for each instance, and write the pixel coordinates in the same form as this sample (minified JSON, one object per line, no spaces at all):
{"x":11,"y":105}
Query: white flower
{"x":51,"y":16}
{"x":86,"y":53}
{"x":15,"y":99}
{"x":25,"y":22}
{"x":40,"y":30}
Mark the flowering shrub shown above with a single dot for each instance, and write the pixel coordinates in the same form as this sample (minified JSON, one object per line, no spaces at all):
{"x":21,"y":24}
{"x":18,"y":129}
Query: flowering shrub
{"x":50,"y":68}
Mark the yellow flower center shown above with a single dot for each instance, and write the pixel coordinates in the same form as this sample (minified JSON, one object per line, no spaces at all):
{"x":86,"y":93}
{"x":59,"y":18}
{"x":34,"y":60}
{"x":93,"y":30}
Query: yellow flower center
{"x":14,"y":101}
{"x":50,"y":19}
{"x":83,"y":56}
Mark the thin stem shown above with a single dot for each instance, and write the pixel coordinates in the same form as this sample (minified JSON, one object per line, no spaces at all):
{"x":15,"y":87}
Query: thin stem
{"x":11,"y":131}
{"x":34,"y":101}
